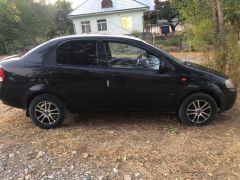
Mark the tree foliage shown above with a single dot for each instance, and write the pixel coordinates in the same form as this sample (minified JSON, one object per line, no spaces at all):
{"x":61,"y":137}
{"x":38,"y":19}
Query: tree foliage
{"x":213,"y":26}
{"x":232,"y":13}
{"x":25,"y":23}
{"x":197,"y":22}
{"x":167,"y":11}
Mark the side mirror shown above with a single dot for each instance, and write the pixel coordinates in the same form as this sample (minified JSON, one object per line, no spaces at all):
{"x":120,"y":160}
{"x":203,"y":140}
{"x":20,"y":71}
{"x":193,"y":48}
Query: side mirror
{"x":162,"y":67}
{"x":165,"y":67}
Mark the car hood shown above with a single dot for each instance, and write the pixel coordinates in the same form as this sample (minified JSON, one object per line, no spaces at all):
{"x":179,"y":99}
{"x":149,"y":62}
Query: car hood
{"x":205,"y":69}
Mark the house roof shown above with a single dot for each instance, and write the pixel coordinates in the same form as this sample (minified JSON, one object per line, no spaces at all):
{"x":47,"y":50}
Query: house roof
{"x":149,"y":3}
{"x":90,"y":7}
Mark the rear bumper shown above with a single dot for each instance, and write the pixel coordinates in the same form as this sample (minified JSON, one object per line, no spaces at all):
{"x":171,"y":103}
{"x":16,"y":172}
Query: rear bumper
{"x":11,"y":97}
{"x":230,"y":96}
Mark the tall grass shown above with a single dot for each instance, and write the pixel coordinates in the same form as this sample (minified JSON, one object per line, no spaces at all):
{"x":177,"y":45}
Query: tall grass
{"x":226,"y":60}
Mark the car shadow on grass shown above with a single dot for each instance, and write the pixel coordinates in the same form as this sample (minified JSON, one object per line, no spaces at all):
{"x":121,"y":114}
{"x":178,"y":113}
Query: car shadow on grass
{"x":130,"y":119}
{"x":133,"y":119}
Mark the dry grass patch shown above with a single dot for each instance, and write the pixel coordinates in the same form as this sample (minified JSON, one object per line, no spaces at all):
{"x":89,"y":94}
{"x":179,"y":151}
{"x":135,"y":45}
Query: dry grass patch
{"x":156,"y":146}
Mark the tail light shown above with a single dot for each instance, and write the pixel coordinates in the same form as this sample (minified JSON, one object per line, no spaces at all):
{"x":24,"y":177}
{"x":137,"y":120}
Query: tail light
{"x":1,"y":75}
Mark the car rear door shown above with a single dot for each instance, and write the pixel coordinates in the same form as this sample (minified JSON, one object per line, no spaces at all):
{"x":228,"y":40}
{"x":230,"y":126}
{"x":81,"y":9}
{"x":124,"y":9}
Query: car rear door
{"x":73,"y":73}
{"x":134,"y":78}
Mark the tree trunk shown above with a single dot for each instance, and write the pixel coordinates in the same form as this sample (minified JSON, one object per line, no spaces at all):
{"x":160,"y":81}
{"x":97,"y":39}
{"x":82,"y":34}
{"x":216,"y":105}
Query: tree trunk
{"x":221,"y":40}
{"x":173,"y":27}
{"x":222,"y":29}
{"x":219,"y":21}
{"x":215,"y":16}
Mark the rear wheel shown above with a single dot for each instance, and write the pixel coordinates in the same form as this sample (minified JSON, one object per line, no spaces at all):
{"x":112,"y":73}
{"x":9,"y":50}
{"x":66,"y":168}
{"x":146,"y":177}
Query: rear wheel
{"x":198,"y":109}
{"x":47,"y":111}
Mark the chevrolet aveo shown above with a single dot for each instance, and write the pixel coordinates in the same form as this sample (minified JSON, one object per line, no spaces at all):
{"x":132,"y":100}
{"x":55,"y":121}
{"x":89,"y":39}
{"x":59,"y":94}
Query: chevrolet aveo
{"x":96,"y":72}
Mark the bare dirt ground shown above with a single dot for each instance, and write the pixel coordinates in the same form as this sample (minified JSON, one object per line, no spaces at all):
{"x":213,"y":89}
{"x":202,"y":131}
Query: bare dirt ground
{"x":119,"y":146}
{"x":189,"y":56}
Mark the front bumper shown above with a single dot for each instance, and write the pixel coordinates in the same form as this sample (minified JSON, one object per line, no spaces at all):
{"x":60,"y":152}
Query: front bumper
{"x":230,"y":96}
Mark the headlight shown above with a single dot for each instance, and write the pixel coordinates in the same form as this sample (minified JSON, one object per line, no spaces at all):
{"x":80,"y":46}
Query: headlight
{"x":229,"y":84}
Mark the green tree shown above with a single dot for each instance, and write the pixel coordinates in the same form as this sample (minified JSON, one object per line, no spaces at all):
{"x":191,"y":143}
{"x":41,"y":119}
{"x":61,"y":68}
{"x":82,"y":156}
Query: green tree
{"x":197,"y":22}
{"x":210,"y":25}
{"x":64,"y":25}
{"x":26,"y":23}
{"x":232,"y":14}
{"x":166,"y":11}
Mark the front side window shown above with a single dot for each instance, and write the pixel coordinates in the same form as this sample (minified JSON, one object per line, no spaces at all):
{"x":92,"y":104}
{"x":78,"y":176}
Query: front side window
{"x":83,"y":53}
{"x":102,"y":25}
{"x":122,"y":55}
{"x":86,"y":26}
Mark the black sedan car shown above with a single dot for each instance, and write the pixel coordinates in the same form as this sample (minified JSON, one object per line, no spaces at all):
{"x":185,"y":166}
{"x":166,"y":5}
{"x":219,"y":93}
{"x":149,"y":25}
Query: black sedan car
{"x":97,"y":72}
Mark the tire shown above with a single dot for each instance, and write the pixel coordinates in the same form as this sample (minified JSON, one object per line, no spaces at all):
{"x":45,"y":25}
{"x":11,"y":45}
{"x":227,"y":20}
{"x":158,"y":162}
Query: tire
{"x":198,"y":109}
{"x":47,"y":111}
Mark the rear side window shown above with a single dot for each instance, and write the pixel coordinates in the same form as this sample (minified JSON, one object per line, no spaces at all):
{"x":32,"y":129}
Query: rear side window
{"x":82,"y":53}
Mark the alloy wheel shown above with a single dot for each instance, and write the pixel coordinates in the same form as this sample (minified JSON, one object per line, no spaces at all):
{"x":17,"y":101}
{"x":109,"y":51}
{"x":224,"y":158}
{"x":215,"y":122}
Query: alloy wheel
{"x":199,"y":111}
{"x":46,"y":112}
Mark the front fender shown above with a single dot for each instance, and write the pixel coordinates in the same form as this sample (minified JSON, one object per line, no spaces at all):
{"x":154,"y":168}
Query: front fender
{"x":208,"y":88}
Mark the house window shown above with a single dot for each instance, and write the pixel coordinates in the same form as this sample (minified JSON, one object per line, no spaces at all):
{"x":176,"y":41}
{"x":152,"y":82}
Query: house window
{"x":86,"y":26}
{"x":127,"y":22}
{"x":102,"y":25}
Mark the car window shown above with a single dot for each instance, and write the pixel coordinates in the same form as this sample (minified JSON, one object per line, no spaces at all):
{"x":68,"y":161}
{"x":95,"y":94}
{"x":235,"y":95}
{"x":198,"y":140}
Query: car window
{"x":83,"y":53}
{"x":123,"y":55}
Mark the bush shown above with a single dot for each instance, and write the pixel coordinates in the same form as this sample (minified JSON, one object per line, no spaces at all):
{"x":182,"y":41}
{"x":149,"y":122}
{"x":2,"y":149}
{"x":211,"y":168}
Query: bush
{"x":135,"y":33}
{"x":226,"y":60}
{"x":170,"y":41}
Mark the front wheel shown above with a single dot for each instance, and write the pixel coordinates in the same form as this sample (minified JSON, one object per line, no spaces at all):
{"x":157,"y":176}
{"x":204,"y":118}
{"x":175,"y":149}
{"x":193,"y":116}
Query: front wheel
{"x":47,"y":111}
{"x":198,"y":109}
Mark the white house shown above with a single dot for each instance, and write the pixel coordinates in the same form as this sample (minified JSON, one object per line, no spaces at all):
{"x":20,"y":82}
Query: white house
{"x":110,"y":16}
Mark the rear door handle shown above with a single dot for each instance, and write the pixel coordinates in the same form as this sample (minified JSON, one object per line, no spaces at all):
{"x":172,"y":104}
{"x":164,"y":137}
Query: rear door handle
{"x":54,"y":73}
{"x":116,"y":76}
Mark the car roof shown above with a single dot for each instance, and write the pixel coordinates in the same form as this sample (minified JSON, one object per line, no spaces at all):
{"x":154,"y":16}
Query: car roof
{"x":127,"y":37}
{"x":42,"y":47}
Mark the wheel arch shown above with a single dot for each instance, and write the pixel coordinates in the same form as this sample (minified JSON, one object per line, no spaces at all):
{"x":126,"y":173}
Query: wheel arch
{"x":213,"y":91}
{"x":33,"y":95}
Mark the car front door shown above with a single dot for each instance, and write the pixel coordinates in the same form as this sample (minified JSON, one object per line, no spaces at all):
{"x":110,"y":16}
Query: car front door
{"x":134,"y":79}
{"x":76,"y":75}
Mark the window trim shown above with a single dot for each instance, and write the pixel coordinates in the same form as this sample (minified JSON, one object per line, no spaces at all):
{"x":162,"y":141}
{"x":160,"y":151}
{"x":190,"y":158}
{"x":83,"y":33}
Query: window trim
{"x":101,"y":24}
{"x":85,"y":24}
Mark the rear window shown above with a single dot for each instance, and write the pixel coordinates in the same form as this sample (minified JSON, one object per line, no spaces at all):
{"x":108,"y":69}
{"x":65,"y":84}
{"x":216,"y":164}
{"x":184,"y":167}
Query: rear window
{"x":82,"y":53}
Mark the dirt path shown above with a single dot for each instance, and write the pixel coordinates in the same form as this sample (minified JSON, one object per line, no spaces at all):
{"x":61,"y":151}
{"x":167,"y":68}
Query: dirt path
{"x":189,"y":56}
{"x":145,"y":145}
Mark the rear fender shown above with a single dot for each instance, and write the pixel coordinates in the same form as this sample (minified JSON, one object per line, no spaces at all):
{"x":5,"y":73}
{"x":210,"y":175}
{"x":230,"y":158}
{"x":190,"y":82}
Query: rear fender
{"x":35,"y":91}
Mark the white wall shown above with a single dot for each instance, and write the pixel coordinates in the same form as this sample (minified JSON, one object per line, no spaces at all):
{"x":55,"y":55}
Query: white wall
{"x":114,"y":23}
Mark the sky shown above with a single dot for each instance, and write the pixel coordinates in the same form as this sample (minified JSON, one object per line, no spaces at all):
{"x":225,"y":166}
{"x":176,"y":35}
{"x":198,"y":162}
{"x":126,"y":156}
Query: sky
{"x":75,"y":3}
